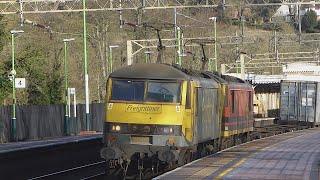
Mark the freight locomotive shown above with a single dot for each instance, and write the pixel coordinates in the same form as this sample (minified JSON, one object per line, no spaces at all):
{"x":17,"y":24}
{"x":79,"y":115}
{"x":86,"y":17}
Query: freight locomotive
{"x":162,"y":116}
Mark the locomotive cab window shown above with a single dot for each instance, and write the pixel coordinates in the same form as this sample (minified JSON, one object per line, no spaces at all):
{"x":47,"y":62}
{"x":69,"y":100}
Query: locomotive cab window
{"x":127,"y":90}
{"x":232,"y":101}
{"x":163,"y":92}
{"x":250,"y":101}
{"x":188,"y":99}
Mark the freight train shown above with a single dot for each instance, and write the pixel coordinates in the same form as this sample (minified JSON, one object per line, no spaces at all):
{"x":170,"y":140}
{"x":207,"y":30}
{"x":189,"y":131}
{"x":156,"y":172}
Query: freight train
{"x":163,"y":116}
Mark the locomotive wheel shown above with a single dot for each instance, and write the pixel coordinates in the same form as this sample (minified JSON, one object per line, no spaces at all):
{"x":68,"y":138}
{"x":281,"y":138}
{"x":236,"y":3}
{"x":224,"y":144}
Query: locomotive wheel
{"x":216,"y":146}
{"x":147,"y":174}
{"x":185,"y":158}
{"x":239,"y":139}
{"x":225,"y":143}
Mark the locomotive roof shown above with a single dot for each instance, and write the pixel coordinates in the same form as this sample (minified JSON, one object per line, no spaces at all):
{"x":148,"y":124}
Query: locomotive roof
{"x":172,"y":72}
{"x":150,"y":71}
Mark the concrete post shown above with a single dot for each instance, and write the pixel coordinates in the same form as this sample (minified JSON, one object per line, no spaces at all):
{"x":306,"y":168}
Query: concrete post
{"x":242,"y":66}
{"x":129,"y":52}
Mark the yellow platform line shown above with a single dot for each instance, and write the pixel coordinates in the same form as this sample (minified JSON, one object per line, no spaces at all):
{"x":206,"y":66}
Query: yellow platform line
{"x":231,"y":168}
{"x":211,"y":168}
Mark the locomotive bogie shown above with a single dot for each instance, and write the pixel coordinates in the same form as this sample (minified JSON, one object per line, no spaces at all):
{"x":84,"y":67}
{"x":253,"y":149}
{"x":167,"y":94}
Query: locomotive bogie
{"x":126,"y":151}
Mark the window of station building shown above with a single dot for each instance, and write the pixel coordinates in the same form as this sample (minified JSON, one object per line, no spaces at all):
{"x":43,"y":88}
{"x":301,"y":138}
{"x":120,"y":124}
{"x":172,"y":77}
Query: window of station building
{"x":163,"y":92}
{"x":127,"y":90}
{"x":233,"y":99}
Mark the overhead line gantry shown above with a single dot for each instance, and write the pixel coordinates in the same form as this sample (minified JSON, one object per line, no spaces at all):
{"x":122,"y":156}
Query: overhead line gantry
{"x":50,"y":6}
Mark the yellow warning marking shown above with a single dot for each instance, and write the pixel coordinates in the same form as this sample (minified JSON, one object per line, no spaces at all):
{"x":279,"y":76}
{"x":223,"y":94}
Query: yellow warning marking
{"x":204,"y":172}
{"x":231,"y":168}
{"x":211,"y":168}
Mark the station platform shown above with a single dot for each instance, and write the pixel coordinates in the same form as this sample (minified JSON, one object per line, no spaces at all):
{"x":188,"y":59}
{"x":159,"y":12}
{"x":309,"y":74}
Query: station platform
{"x":293,"y":155}
{"x":28,"y":145}
{"x":261,"y":122}
{"x":50,"y":158}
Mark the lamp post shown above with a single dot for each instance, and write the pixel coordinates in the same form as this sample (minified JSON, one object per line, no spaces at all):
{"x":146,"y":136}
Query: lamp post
{"x":215,"y":42}
{"x":66,"y":116}
{"x":110,"y":57}
{"x":86,"y":76}
{"x":13,"y":74}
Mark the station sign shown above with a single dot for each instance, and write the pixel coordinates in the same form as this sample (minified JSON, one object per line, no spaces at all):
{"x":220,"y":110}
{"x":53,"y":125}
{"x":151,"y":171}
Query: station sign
{"x":20,"y":82}
{"x":72,"y":90}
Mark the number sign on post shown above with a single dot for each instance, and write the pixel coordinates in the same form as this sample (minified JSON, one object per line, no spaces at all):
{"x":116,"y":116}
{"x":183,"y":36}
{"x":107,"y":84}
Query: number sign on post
{"x":20,"y":82}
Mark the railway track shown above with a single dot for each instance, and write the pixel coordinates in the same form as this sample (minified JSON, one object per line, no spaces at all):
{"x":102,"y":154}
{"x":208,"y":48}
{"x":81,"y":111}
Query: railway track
{"x":90,"y":171}
{"x":96,"y":169}
{"x":76,"y":162}
{"x":71,"y":158}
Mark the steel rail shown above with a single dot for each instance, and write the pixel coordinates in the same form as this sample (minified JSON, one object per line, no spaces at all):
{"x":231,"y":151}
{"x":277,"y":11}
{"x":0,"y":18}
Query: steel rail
{"x":69,"y":170}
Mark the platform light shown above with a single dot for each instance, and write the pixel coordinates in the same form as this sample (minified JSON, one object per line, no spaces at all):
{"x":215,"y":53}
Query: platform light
{"x":86,"y":75}
{"x":13,"y":74}
{"x":215,"y":42}
{"x":110,"y":57}
{"x":66,"y":117}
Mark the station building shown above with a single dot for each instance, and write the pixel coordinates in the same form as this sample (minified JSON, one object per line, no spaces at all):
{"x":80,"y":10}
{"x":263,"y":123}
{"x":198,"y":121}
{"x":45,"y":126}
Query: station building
{"x":267,"y":87}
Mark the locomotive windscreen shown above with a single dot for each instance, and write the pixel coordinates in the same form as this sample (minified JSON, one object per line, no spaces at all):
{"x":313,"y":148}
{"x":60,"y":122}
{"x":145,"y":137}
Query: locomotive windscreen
{"x":146,"y":91}
{"x":163,"y":92}
{"x":127,"y":90}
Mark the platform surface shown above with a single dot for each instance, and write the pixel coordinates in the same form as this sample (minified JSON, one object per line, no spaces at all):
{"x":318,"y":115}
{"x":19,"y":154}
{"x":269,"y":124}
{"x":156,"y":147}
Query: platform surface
{"x":294,"y":155}
{"x":25,"y":145}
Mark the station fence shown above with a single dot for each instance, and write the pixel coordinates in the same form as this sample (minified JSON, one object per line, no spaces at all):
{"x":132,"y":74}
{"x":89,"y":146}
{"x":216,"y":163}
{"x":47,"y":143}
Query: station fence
{"x":35,"y":122}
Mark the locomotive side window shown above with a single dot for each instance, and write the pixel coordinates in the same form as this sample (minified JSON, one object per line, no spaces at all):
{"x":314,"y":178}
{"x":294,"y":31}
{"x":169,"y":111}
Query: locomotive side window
{"x":163,"y":92}
{"x":188,"y":103}
{"x":226,"y":98}
{"x":127,"y":90}
{"x":232,"y":101}
{"x":250,"y":101}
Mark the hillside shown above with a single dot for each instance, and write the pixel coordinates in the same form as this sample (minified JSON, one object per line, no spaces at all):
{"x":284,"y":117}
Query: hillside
{"x":39,"y":53}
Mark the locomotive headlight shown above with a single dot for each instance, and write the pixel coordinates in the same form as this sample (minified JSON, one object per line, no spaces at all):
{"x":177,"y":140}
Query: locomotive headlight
{"x":118,"y":128}
{"x":166,"y":130}
{"x":115,"y":128}
{"x":134,"y":128}
{"x":146,"y":129}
